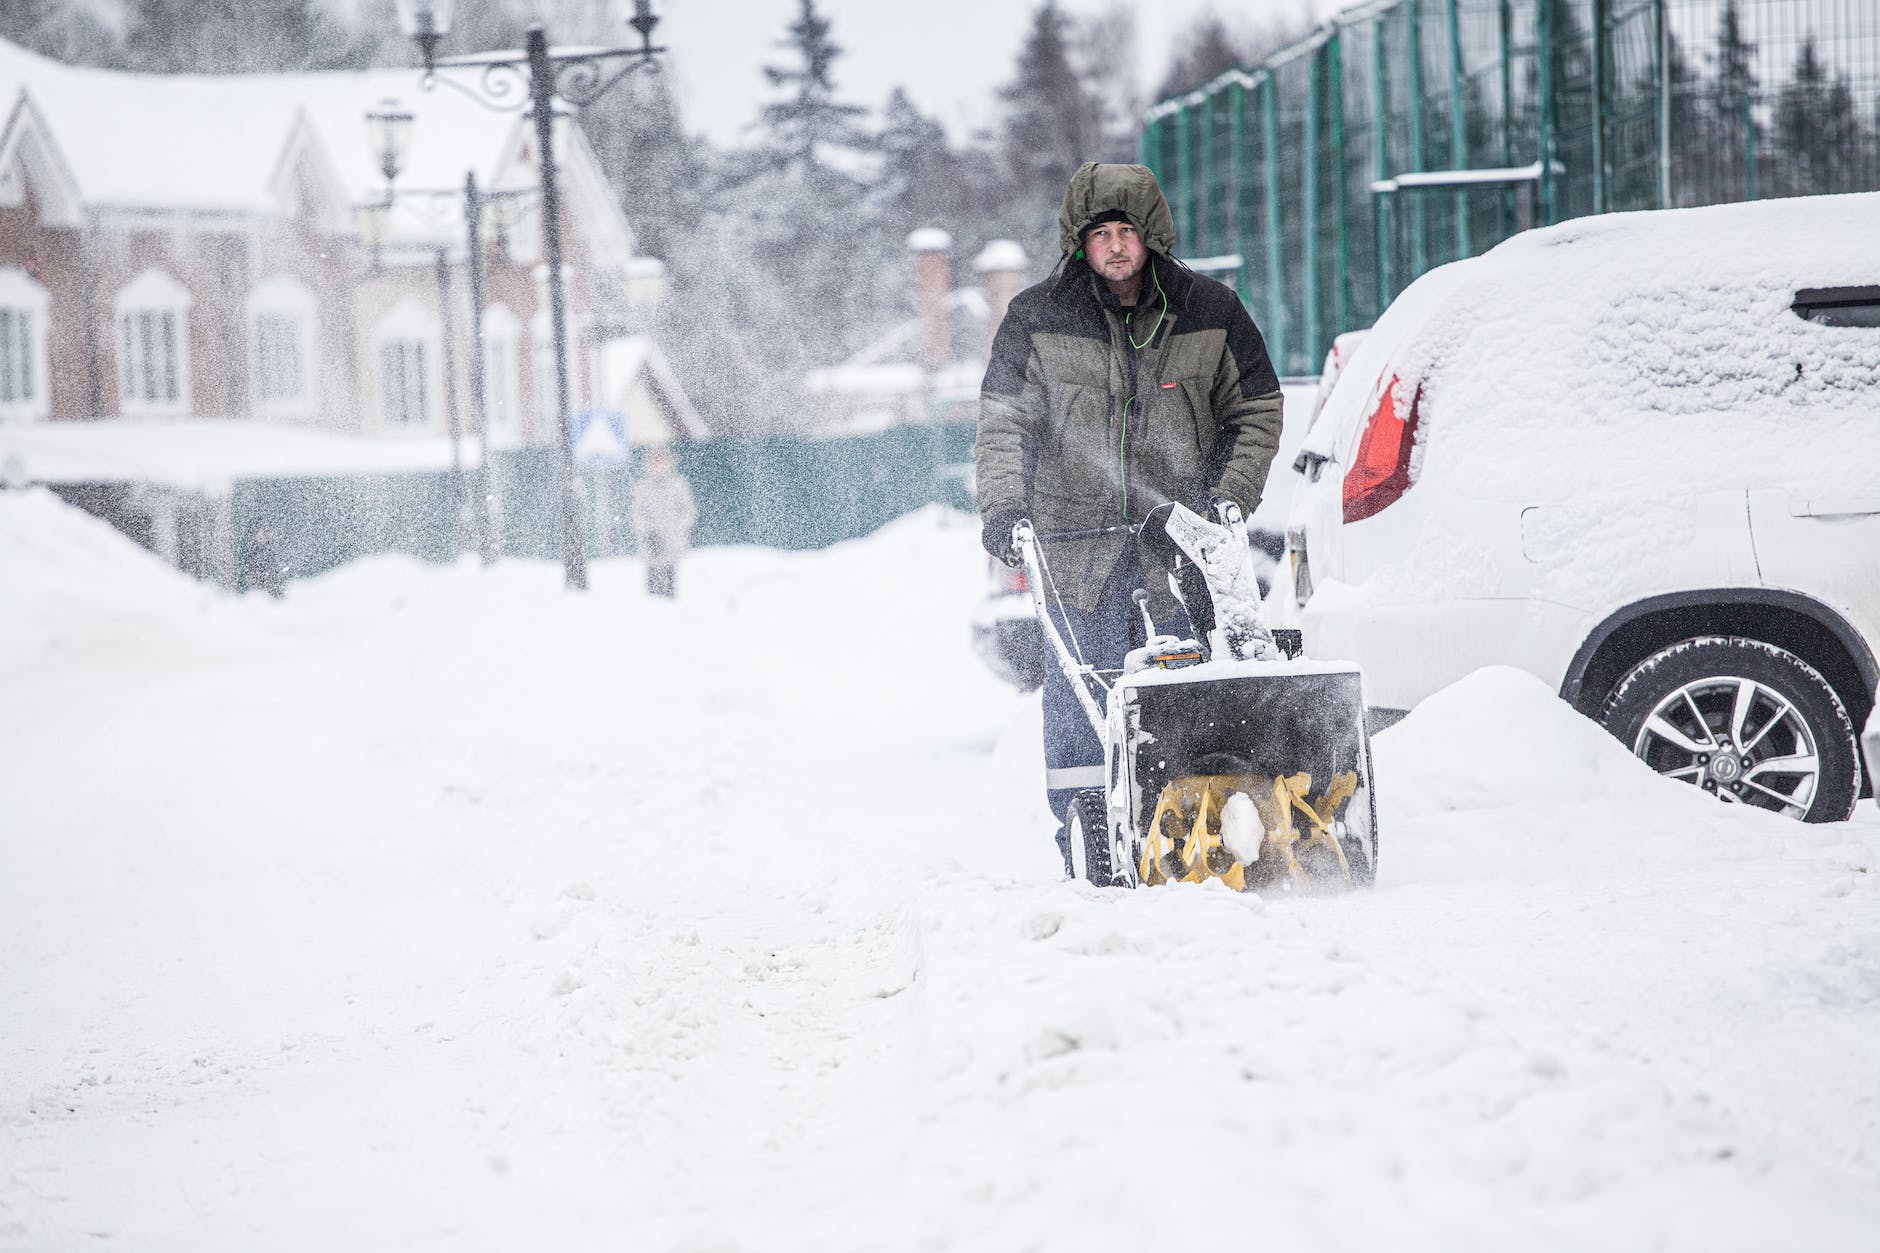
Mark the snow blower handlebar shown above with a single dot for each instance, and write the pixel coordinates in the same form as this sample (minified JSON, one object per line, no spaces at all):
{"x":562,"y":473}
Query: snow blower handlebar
{"x":1079,"y":675}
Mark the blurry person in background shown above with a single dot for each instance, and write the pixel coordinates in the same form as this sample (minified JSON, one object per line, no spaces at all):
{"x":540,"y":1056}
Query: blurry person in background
{"x":264,"y":564}
{"x":662,"y":515}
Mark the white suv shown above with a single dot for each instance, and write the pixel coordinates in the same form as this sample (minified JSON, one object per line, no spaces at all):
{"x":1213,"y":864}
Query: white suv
{"x":1639,"y":456}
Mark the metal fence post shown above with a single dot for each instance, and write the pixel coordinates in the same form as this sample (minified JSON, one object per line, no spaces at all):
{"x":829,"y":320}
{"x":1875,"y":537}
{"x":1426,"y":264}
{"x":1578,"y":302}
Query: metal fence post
{"x":1237,"y":228}
{"x":1544,"y":59}
{"x":1204,"y":227}
{"x":1749,"y":146}
{"x":1662,"y":83}
{"x":1276,"y":337}
{"x":1380,"y":170}
{"x":1309,"y":209}
{"x":1602,"y":69}
{"x":1419,"y":205}
{"x":1184,"y":143}
{"x":1342,"y":287}
{"x":1509,"y":220}
{"x":1458,"y":130}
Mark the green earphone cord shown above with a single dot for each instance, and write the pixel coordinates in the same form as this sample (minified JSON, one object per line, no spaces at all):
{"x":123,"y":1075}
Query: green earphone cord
{"x":1122,"y":448}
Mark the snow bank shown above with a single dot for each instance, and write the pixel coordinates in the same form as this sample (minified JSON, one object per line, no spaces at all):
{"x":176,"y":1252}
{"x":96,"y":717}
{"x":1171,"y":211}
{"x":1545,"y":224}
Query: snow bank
{"x":462,"y":912}
{"x":1497,"y":761}
{"x":76,"y":588}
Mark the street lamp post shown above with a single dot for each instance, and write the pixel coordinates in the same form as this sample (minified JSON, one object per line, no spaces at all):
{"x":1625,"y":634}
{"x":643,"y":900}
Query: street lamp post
{"x":576,"y":77}
{"x":390,"y":127}
{"x":440,"y":208}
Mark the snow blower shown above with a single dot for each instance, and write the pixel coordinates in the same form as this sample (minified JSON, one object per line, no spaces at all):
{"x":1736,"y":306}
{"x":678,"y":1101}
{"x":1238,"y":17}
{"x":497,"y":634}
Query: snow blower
{"x":1228,"y":756}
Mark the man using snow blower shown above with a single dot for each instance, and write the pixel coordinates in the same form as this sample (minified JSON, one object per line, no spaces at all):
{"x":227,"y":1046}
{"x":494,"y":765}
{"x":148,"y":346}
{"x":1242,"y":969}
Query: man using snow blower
{"x":1123,"y":381}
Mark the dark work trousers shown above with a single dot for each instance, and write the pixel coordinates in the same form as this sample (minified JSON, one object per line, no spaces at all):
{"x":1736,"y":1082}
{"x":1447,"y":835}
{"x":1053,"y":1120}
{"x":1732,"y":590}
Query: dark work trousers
{"x":1073,"y":750}
{"x":662,"y":579}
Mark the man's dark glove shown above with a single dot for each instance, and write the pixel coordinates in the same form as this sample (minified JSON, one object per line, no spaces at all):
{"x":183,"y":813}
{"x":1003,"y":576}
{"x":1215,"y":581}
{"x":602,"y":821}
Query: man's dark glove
{"x":995,"y":534}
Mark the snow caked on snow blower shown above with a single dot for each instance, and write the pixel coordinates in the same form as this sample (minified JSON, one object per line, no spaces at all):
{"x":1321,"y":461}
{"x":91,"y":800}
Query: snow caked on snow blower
{"x":1228,"y":756}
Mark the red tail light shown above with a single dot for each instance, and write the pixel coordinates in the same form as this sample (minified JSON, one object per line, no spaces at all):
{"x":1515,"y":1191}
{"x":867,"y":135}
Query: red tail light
{"x":1380,"y":473}
{"x":1012,"y":578}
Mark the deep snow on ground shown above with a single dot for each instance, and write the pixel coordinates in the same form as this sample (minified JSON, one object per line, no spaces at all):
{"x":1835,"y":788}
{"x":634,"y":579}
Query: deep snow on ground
{"x":440,"y":908}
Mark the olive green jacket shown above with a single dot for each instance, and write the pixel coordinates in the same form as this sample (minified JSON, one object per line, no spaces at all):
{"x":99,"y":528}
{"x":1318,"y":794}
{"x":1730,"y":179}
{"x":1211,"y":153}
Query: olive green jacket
{"x":1091,"y":415}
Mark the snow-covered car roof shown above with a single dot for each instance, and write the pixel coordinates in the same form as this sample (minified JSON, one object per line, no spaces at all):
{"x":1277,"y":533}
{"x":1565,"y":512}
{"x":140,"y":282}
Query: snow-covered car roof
{"x":1671,"y":333}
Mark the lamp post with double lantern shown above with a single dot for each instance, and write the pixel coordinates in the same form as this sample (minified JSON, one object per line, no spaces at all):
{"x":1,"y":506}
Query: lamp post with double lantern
{"x":542,"y":80}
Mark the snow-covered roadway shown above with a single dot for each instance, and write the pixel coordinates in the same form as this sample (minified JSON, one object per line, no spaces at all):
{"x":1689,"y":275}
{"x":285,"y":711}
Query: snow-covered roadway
{"x":440,"y":909}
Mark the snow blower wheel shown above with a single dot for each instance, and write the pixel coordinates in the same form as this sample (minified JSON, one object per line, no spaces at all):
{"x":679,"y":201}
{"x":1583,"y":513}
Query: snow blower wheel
{"x":1087,"y":826}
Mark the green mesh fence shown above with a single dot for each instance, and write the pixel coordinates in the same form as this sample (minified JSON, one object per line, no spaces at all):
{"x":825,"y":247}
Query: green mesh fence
{"x":1409,"y":133}
{"x":782,"y":492}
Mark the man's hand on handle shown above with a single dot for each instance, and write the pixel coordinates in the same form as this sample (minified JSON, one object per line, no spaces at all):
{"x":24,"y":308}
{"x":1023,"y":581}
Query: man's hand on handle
{"x":995,"y":534}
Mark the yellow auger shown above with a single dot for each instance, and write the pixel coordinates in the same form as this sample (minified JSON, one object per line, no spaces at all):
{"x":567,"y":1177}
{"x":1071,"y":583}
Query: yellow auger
{"x":1298,"y":848}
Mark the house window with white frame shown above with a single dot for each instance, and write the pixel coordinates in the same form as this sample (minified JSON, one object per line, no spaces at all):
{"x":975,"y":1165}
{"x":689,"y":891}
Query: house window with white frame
{"x":502,"y":355}
{"x":282,"y":334}
{"x":404,"y":398}
{"x":406,"y":343}
{"x":24,"y":379}
{"x":280,"y":371}
{"x":23,"y":376}
{"x":152,"y":347}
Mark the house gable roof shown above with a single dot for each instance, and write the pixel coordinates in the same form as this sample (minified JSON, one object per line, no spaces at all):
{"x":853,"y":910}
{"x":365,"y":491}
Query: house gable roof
{"x":30,"y":161}
{"x":256,"y":144}
{"x":636,"y":358}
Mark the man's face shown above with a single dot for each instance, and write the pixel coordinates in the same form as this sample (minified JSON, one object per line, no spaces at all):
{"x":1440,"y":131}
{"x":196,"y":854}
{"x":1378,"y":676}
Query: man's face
{"x":1115,"y":251}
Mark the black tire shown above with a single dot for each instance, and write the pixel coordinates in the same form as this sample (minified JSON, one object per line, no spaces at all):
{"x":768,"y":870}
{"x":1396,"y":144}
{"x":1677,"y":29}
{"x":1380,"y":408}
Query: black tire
{"x":1088,"y":827}
{"x":1728,"y":715}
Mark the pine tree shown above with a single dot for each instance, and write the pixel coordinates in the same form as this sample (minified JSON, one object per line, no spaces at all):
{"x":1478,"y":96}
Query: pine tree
{"x":789,"y":238}
{"x":1816,"y":130}
{"x":1103,"y":53}
{"x":233,"y":36}
{"x":64,"y":32}
{"x":1736,"y":131}
{"x":809,"y":124}
{"x":1207,"y":51}
{"x":1051,"y":127}
{"x":657,"y":170}
{"x":920,"y":181}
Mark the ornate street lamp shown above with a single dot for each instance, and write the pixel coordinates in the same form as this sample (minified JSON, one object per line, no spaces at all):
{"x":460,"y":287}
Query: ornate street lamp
{"x":540,"y":79}
{"x":444,"y":210}
{"x":390,"y":127}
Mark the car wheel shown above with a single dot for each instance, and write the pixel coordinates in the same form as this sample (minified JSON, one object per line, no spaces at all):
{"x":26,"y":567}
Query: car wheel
{"x":1745,"y":721}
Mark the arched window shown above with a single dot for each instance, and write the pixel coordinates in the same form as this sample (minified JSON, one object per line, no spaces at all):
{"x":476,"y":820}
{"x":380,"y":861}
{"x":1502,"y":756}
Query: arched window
{"x":283,"y":332}
{"x":502,"y":366}
{"x":23,"y":377}
{"x":153,"y":347}
{"x":407,"y":358}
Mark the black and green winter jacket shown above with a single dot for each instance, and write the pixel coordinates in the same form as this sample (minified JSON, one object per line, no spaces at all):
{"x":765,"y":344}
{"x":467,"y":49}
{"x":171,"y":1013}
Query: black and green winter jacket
{"x":1080,"y":429}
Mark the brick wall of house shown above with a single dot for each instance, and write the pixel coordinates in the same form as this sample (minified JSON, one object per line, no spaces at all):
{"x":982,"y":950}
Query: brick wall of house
{"x":52,"y":258}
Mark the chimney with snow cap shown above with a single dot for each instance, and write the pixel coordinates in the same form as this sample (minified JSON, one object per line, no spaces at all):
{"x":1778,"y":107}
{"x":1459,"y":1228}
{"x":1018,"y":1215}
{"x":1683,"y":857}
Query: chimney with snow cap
{"x":933,"y":280}
{"x":1000,"y":266}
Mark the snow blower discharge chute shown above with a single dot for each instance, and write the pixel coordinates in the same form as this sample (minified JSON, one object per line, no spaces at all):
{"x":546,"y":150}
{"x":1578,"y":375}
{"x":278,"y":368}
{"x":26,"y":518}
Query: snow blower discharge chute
{"x":1227,"y":756}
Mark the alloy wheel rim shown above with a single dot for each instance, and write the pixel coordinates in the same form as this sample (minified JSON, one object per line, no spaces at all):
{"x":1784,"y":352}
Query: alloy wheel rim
{"x":1742,"y":741}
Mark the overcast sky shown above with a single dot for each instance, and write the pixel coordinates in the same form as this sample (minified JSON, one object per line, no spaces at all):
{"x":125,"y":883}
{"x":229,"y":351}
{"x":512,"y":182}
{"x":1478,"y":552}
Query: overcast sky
{"x":952,"y":57}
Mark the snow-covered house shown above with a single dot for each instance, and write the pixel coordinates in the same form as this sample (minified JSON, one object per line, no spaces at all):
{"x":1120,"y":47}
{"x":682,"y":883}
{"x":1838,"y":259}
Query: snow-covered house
{"x":929,"y":367}
{"x":184,"y":247}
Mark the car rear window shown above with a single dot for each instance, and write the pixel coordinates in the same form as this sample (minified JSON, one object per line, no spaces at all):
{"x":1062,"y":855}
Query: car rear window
{"x":1839,"y":306}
